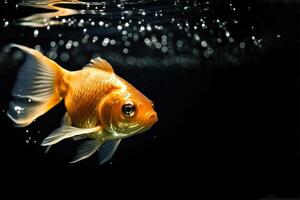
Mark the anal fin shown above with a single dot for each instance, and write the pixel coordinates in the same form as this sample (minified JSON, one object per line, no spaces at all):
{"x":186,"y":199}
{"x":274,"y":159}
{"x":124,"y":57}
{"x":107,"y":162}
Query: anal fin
{"x":107,"y":150}
{"x":86,"y":149}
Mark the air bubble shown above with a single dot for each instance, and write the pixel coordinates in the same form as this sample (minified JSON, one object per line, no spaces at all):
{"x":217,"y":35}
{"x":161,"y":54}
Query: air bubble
{"x":227,"y":33}
{"x":164,"y":49}
{"x":158,"y":45}
{"x":127,"y":43}
{"x":124,"y":32}
{"x":164,"y":38}
{"x":69,"y":44}
{"x":75,"y":44}
{"x":64,"y":57}
{"x":147,"y":41}
{"x":204,"y":43}
{"x":149,"y":28}
{"x":242,"y":45}
{"x":142,"y":28}
{"x":179,"y":43}
{"x":112,"y":42}
{"x":105,"y":42}
{"x":35,"y":33}
{"x":52,"y":55}
{"x":37,"y":47}
{"x":135,"y":37}
{"x":125,"y":51}
{"x":95,"y":39}
{"x":52,"y":43}
{"x":196,"y":36}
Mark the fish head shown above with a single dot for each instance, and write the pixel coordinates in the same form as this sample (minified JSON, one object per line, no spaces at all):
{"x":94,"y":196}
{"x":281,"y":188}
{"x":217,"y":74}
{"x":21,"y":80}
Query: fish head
{"x":125,"y":113}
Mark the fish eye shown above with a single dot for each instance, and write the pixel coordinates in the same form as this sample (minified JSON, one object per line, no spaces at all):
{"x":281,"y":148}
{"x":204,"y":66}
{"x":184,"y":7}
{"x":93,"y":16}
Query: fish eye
{"x":128,"y":109}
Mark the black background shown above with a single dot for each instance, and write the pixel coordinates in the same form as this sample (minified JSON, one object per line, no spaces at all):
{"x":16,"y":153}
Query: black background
{"x":226,"y":131}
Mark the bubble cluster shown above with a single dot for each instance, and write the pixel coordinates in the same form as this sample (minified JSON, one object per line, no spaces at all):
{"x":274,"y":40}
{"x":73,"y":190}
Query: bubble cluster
{"x":198,"y":29}
{"x":18,"y":109}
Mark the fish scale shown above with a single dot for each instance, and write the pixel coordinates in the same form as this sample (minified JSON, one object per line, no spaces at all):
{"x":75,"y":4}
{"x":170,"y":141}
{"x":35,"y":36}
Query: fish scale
{"x":84,"y":95}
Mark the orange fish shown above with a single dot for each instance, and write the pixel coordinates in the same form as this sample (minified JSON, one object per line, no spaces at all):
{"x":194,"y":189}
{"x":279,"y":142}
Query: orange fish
{"x":101,"y":106}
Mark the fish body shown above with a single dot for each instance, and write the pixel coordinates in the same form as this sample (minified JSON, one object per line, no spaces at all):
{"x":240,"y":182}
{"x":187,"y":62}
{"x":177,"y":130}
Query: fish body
{"x":85,"y":89}
{"x":100,"y":105}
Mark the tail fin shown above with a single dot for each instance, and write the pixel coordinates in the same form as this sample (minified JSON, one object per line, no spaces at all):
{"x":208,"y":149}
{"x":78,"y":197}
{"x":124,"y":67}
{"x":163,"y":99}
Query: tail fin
{"x":35,"y":90}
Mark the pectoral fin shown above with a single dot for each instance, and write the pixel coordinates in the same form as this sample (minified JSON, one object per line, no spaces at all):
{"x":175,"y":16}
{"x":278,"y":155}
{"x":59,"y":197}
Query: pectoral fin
{"x":86,"y":149}
{"x":107,"y":150}
{"x":67,"y":131}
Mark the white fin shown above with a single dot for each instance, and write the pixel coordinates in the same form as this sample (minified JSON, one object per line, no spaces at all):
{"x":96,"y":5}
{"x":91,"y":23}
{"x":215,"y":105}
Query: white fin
{"x":64,"y":121}
{"x":48,"y":148}
{"x":107,"y":150}
{"x":34,"y":91}
{"x":66,"y":132}
{"x":100,"y":63}
{"x":86,"y":149}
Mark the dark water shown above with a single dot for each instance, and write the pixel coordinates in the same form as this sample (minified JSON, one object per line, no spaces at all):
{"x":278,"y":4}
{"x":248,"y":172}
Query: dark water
{"x":223,"y":76}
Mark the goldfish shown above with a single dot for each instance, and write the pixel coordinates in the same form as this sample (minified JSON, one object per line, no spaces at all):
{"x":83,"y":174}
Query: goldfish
{"x":101,"y":107}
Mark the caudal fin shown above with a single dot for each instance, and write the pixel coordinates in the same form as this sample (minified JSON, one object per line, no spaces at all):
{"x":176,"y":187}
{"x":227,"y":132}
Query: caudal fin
{"x":34,"y":92}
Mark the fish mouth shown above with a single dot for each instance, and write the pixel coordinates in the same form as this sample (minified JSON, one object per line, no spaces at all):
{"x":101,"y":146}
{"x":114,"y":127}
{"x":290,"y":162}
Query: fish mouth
{"x":151,"y":118}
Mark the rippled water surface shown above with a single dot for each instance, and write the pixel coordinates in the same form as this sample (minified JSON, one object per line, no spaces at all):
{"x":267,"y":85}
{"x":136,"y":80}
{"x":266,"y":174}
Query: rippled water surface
{"x":140,"y":33}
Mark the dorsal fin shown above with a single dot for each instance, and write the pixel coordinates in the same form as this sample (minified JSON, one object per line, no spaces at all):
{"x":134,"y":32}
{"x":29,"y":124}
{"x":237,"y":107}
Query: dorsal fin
{"x":100,"y":63}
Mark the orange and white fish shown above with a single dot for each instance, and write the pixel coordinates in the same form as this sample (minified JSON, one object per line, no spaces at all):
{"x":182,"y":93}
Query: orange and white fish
{"x":101,"y":106}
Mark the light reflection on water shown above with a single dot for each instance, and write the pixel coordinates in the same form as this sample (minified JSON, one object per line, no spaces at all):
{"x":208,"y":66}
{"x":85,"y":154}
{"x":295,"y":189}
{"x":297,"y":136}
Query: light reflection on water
{"x":143,"y":33}
{"x":48,"y":18}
